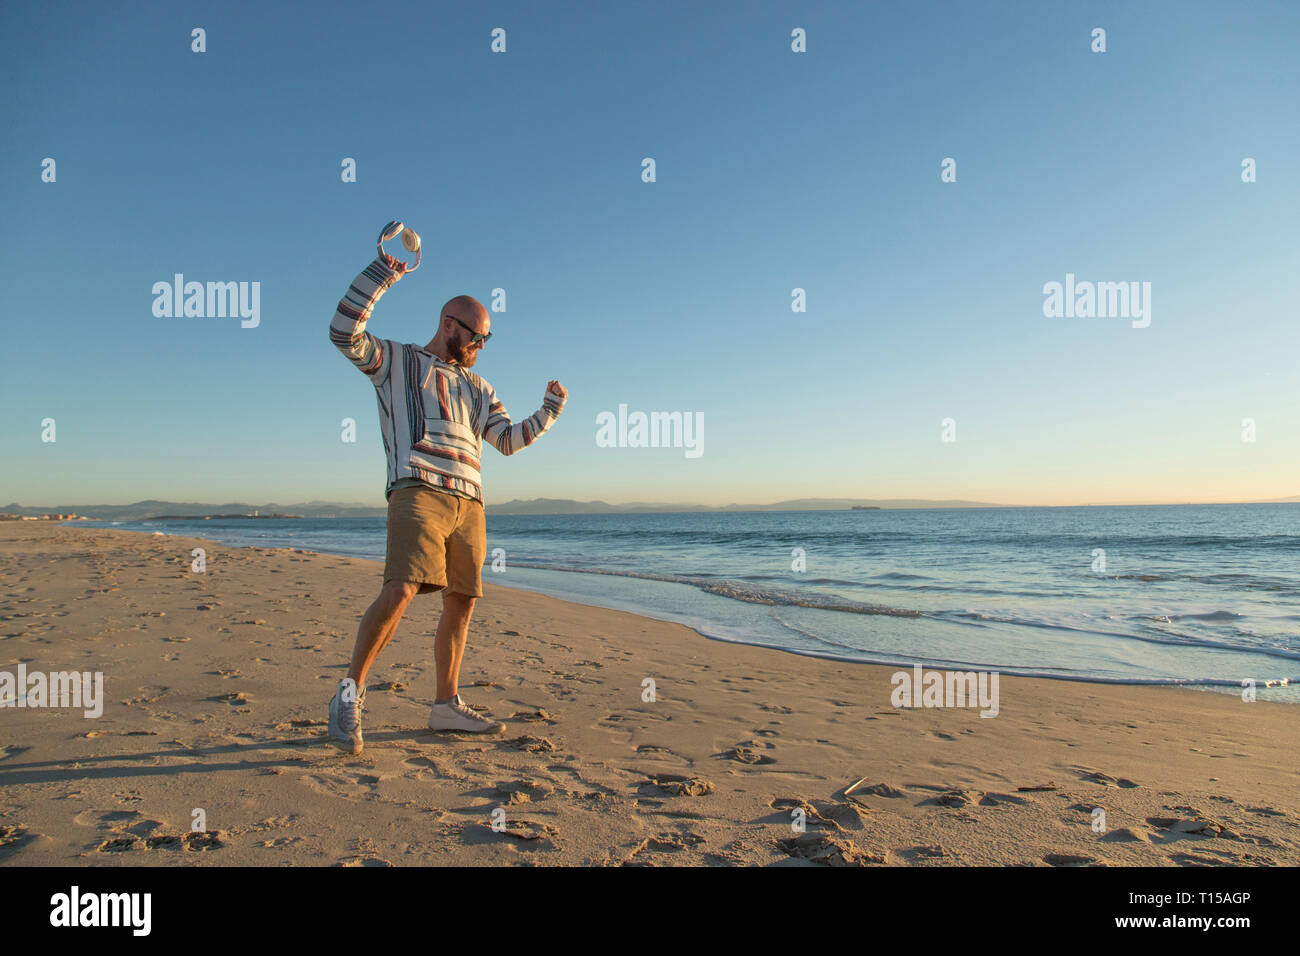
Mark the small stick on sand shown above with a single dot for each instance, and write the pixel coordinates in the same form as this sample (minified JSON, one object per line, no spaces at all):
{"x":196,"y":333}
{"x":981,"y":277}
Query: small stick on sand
{"x":852,"y":787}
{"x":1047,"y":786}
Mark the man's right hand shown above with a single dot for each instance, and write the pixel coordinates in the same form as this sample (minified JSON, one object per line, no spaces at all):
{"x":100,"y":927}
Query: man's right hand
{"x":397,"y":265}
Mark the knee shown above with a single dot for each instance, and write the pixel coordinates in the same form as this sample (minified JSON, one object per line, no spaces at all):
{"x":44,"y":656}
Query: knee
{"x":457,"y":603}
{"x":396,"y":595}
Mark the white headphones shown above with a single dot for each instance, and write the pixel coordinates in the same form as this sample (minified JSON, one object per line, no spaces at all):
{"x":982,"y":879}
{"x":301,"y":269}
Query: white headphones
{"x":410,"y":239}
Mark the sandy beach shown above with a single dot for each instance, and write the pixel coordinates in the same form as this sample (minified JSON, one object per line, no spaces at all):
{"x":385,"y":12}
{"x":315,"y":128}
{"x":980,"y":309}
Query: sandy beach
{"x":215,"y":693}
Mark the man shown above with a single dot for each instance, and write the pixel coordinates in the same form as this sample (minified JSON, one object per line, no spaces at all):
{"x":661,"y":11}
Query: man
{"x":434,"y":414}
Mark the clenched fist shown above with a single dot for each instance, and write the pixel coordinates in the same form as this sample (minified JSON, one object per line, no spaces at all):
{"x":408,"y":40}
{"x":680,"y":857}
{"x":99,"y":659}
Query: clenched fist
{"x":559,"y":391}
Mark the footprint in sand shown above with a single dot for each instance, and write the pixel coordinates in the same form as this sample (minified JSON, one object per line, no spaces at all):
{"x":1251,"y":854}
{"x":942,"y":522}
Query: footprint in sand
{"x":421,"y":764}
{"x":237,"y":699}
{"x":362,"y":785}
{"x":1105,"y":780}
{"x":106,"y":819}
{"x":523,"y":791}
{"x":656,"y":749}
{"x":117,"y":845}
{"x":198,"y":842}
{"x":526,"y":830}
{"x":826,"y":813}
{"x":880,"y":790}
{"x":1176,"y":826}
{"x":851,"y":816}
{"x":163,"y":842}
{"x":14,"y":838}
{"x":953,"y":798}
{"x":533,"y":715}
{"x":830,"y":850}
{"x":742,"y":754}
{"x":674,"y":785}
{"x":664,"y":843}
{"x":302,"y":723}
{"x":1001,"y":799}
{"x":278,"y":842}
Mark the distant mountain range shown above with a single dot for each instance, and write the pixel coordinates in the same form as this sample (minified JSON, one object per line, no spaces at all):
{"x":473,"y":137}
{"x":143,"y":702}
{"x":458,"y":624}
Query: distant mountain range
{"x":553,"y":506}
{"x":534,"y":506}
{"x":152,"y":509}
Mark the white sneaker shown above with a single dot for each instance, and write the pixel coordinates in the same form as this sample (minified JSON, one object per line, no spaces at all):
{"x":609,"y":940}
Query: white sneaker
{"x":455,"y":714}
{"x":345,"y":719}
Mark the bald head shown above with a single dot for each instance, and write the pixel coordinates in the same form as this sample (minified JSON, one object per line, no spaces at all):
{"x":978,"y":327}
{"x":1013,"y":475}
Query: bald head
{"x":466,"y":308}
{"x":459,"y":319}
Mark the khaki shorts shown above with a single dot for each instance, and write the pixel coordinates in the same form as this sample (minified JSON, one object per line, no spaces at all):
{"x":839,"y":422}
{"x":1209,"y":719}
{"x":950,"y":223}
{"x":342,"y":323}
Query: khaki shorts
{"x":436,"y":540}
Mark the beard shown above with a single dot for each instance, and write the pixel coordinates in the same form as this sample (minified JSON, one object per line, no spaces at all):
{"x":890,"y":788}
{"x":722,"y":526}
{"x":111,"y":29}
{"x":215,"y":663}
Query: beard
{"x":462,"y":354}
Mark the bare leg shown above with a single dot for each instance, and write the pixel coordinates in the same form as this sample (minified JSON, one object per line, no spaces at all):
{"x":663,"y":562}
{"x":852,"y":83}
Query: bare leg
{"x":378,"y":626}
{"x":449,"y":644}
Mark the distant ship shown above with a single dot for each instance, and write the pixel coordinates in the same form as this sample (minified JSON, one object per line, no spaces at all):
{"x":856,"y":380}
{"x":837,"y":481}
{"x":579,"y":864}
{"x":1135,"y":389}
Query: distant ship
{"x":865,"y":508}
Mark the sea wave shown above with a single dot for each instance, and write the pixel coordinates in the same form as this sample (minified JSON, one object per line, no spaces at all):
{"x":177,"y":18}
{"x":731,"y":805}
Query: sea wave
{"x":740,"y":591}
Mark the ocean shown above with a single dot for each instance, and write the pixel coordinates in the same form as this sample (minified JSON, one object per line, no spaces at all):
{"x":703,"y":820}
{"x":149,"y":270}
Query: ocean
{"x":1199,"y":595}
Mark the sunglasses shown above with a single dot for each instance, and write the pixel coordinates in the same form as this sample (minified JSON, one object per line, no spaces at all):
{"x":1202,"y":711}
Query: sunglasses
{"x":478,"y":337}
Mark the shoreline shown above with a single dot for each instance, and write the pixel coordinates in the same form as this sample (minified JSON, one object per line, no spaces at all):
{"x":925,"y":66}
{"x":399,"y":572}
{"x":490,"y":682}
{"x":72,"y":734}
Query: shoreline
{"x":216,"y":685}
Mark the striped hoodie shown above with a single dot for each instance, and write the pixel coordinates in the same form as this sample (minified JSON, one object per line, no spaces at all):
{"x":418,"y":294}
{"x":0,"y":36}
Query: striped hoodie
{"x":433,"y":415}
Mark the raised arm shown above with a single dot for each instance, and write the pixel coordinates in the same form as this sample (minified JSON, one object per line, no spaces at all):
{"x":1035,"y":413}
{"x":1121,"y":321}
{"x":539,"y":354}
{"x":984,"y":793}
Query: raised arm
{"x":348,"y":327}
{"x":508,"y":437}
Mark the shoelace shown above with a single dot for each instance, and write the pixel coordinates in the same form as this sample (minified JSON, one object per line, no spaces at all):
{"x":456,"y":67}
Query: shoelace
{"x":350,"y":712}
{"x":464,"y":709}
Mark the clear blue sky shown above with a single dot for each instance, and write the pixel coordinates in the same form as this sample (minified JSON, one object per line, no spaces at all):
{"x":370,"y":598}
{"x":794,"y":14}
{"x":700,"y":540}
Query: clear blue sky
{"x":775,"y":170}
